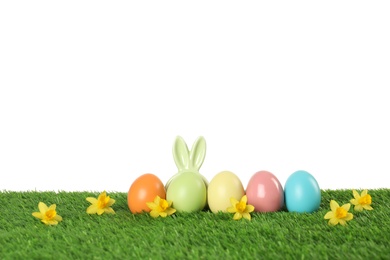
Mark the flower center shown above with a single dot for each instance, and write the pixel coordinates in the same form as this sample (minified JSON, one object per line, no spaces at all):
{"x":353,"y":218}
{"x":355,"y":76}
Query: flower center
{"x":102,"y":202}
{"x":365,"y":200}
{"x":163,"y":205}
{"x":50,"y":214}
{"x":341,"y":212}
{"x":241,"y":206}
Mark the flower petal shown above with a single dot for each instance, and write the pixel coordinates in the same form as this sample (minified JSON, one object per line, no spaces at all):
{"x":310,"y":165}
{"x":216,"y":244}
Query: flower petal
{"x":342,"y":222}
{"x":364,"y":193}
{"x":354,"y":201}
{"x":346,"y":206}
{"x":334,"y":205}
{"x":233,"y":201}
{"x":358,"y":207}
{"x":244,"y":199}
{"x":37,"y":215}
{"x":52,"y":222}
{"x":246,"y":215}
{"x":333,"y":221}
{"x":102,"y":195}
{"x":151,"y":205}
{"x":91,"y":200}
{"x":349,"y":216}
{"x":45,"y":221}
{"x":92,"y":209}
{"x":329,"y":215}
{"x":237,"y":216}
{"x":42,"y":207}
{"x":100,"y":211}
{"x":249,"y":208}
{"x":110,"y":202}
{"x":163,"y":214}
{"x":58,"y":218}
{"x":170,"y":211}
{"x":154,"y":213}
{"x":367,"y":207}
{"x":231,"y":209}
{"x":53,"y":206}
{"x":109,"y":210}
{"x":157,"y":200}
{"x":356,"y":194}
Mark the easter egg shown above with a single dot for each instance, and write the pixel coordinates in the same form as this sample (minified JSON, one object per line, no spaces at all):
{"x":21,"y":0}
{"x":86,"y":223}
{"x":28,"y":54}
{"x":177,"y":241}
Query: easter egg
{"x":144,"y":189}
{"x":187,"y":192}
{"x":265,"y":192}
{"x":222,"y":187}
{"x":302,"y":192}
{"x":188,"y":188}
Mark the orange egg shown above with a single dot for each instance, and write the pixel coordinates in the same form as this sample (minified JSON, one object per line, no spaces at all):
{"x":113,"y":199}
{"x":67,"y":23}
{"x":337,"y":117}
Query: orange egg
{"x":144,"y":189}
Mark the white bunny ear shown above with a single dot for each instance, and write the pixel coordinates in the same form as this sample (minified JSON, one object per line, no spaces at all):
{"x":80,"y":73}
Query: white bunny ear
{"x":198,"y":153}
{"x":181,"y":154}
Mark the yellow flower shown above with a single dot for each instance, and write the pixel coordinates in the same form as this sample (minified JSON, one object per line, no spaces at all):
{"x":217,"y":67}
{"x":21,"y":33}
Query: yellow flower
{"x":47,"y":215}
{"x":160,"y":207}
{"x":362,"y":201}
{"x":338,"y":214}
{"x":240,"y":208}
{"x":100,"y":205}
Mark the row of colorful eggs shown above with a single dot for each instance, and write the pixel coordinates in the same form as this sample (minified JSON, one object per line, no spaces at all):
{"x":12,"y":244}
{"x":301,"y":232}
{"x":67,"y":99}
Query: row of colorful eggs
{"x":190,"y":191}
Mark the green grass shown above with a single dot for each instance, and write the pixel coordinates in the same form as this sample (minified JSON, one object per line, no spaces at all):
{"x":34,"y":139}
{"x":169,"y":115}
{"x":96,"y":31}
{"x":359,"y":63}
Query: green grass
{"x":280,"y":235}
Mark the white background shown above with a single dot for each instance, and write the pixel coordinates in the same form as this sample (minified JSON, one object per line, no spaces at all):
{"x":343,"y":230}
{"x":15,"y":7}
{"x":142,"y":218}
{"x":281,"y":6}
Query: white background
{"x":93,"y":93}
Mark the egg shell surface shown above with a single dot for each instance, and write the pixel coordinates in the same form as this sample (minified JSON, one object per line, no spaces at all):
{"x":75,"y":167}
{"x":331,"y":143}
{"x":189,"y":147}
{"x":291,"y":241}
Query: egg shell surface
{"x":222,"y":187}
{"x":144,"y":189}
{"x":188,"y":192}
{"x":302,"y":192}
{"x":265,"y":192}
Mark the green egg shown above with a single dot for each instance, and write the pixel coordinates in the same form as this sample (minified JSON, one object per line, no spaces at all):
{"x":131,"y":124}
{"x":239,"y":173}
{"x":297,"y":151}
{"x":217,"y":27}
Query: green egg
{"x":188,"y":192}
{"x":187,"y":189}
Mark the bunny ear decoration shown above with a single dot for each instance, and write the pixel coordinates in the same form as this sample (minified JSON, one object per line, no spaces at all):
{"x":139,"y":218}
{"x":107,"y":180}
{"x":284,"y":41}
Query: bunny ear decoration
{"x":198,"y":153}
{"x":181,"y":154}
{"x":189,"y":160}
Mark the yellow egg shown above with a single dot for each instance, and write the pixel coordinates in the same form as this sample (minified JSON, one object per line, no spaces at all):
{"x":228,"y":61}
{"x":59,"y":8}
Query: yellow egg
{"x":222,"y":187}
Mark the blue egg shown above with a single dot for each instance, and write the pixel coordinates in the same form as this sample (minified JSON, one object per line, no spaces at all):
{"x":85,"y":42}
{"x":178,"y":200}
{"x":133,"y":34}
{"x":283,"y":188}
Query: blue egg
{"x":302,"y":193}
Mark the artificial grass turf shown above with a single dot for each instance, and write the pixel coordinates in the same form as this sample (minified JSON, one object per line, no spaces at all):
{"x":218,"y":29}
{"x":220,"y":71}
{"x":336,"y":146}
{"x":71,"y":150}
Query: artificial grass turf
{"x":278,"y":235}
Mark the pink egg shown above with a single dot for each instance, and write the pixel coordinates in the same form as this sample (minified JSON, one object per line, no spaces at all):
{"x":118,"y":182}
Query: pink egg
{"x":265,"y":192}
